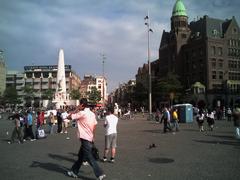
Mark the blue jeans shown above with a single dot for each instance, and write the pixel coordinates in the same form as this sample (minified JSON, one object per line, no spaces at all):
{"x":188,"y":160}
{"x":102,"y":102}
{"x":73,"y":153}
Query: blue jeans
{"x":85,"y":153}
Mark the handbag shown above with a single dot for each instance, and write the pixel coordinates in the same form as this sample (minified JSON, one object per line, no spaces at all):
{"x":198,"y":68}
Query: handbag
{"x":95,"y":152}
{"x":41,"y":133}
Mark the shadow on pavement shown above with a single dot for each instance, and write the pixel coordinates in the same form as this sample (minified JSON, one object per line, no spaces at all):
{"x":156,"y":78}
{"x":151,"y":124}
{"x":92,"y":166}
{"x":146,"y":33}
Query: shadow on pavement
{"x":60,"y":157}
{"x":49,"y":166}
{"x":161,"y":160}
{"x":55,"y":167}
{"x":224,"y":137}
{"x":153,"y":131}
{"x":231,"y":143}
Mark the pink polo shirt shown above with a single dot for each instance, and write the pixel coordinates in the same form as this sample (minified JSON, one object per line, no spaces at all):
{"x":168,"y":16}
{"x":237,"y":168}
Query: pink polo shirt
{"x":86,"y":121}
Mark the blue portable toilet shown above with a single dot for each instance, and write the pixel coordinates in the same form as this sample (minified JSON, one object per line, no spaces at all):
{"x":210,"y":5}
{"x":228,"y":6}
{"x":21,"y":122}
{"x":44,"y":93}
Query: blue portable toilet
{"x":185,"y":112}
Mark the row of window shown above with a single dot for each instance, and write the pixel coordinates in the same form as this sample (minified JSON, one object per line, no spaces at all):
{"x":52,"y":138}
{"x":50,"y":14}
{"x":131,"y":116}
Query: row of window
{"x":234,"y":65}
{"x":44,"y":74}
{"x":217,"y":63}
{"x":217,"y":75}
{"x":216,"y":51}
{"x":234,"y":75}
{"x":233,"y":52}
{"x":234,"y":43}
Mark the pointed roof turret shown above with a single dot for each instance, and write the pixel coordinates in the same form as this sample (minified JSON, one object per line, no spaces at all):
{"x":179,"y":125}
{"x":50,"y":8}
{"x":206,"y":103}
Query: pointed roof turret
{"x":179,"y":9}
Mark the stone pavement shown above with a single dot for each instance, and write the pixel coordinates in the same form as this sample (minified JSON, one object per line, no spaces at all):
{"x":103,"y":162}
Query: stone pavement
{"x":188,"y":154}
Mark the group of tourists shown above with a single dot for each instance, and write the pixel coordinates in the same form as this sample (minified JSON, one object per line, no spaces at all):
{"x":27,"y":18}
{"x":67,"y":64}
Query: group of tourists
{"x":86,"y":121}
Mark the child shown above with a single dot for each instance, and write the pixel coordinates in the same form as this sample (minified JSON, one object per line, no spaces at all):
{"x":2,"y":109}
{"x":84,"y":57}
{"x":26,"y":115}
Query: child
{"x":210,"y":119}
{"x":200,"y":120}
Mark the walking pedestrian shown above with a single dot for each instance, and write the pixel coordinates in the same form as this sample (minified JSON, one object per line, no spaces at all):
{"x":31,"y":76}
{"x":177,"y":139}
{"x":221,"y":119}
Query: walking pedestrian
{"x":17,"y":130}
{"x":229,"y":114}
{"x":110,"y":125}
{"x":175,"y":119}
{"x":59,"y":121}
{"x":236,"y":120}
{"x":28,"y":126}
{"x":210,"y":119}
{"x":87,"y":122}
{"x":51,"y":123}
{"x":166,"y":120}
{"x":200,"y":120}
{"x":65,"y":120}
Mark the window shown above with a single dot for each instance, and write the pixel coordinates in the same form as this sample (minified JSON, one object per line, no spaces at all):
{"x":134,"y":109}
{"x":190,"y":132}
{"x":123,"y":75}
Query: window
{"x":200,"y":51}
{"x":220,"y":63}
{"x":213,"y":50}
{"x":220,"y":51}
{"x":220,"y":75}
{"x":214,"y":75}
{"x":234,"y":31}
{"x":99,"y":86}
{"x":213,"y":63}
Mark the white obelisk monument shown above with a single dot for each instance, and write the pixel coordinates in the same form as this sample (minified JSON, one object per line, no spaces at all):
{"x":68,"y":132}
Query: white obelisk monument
{"x":61,"y":98}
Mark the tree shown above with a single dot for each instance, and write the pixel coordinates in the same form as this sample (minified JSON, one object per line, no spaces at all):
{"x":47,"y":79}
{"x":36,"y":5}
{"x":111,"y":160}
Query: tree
{"x":167,"y":87}
{"x":94,"y":96}
{"x":10,"y":96}
{"x":48,"y":94}
{"x":75,"y":94}
{"x":140,"y":94}
{"x":28,"y":95}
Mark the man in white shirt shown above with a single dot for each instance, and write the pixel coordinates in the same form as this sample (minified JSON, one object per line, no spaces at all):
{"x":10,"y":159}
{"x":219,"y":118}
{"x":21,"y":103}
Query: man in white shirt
{"x":110,"y":125}
{"x":64,"y":116}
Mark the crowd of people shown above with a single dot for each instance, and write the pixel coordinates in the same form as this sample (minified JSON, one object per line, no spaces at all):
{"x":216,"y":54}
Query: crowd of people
{"x":86,"y":121}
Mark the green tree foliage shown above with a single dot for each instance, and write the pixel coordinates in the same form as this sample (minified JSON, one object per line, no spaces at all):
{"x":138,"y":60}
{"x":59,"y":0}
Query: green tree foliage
{"x":10,"y":96}
{"x":169,"y":84}
{"x":94,"y":96}
{"x":48,"y":94}
{"x":75,"y":94}
{"x":28,"y":94}
{"x":140,"y":94}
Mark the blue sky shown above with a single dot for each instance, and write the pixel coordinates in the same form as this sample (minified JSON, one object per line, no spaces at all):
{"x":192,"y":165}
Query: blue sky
{"x":33,"y":31}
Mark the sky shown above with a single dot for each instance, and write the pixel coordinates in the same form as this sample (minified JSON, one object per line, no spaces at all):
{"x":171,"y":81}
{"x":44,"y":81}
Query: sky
{"x":33,"y":31}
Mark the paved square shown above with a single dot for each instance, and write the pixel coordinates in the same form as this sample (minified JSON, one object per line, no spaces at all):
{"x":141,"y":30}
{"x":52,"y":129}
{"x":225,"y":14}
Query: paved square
{"x":188,"y":154}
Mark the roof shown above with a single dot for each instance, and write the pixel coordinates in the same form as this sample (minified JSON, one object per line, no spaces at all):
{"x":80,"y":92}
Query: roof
{"x":210,"y":27}
{"x":179,"y":9}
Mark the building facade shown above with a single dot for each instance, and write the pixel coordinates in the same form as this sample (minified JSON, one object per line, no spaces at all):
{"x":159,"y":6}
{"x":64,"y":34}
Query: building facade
{"x":100,"y":82}
{"x":206,"y":51}
{"x":43,"y":78}
{"x":2,"y":73}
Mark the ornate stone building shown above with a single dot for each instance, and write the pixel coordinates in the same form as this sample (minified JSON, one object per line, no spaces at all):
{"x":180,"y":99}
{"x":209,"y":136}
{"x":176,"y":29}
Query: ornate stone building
{"x":207,"y":51}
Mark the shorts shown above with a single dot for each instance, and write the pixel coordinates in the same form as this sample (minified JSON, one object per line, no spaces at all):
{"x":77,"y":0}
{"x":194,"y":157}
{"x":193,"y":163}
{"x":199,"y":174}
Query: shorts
{"x":111,"y":141}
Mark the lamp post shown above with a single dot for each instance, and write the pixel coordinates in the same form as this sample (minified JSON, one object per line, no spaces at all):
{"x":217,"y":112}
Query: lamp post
{"x":147,"y":23}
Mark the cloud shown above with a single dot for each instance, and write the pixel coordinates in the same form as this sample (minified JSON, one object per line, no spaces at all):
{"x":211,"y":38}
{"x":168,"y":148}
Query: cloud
{"x":32,"y":32}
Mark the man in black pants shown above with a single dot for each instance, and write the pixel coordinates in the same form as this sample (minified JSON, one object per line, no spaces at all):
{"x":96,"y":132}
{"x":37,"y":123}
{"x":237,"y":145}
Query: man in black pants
{"x":59,"y":120}
{"x":87,"y":122}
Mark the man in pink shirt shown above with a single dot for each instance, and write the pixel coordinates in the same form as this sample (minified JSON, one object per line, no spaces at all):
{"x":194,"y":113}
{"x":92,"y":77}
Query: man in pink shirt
{"x":86,"y":121}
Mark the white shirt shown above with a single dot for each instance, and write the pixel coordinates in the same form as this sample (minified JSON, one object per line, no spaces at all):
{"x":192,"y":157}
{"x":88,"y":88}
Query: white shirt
{"x":111,"y":124}
{"x":64,"y":115}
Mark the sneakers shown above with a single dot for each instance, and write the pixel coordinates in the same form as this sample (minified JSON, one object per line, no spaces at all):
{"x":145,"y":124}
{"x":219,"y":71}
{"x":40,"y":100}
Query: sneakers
{"x":104,"y":159}
{"x":72,"y":174}
{"x":85,"y":163}
{"x":101,"y":177}
{"x":112,"y":160}
{"x":33,"y":140}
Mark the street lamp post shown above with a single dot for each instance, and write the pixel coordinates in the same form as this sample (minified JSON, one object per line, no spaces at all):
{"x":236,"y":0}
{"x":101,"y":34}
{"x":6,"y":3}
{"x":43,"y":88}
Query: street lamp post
{"x":147,"y":23}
